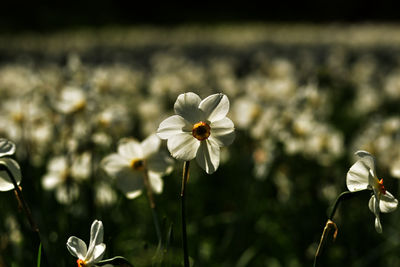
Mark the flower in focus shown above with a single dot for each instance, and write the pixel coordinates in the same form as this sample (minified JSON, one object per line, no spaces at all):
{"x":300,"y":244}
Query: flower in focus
{"x":199,"y":129}
{"x":7,"y":148}
{"x":133,"y":161}
{"x":88,"y":257}
{"x":361,"y":176}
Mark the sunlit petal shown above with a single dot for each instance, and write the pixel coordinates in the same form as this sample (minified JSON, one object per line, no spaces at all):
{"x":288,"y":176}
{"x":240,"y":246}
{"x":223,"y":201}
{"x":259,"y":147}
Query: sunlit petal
{"x":208,"y":156}
{"x":215,"y":107}
{"x":187,"y":106}
{"x":172,"y":126}
{"x":223,"y":132}
{"x":77,"y":247}
{"x":183,"y":146}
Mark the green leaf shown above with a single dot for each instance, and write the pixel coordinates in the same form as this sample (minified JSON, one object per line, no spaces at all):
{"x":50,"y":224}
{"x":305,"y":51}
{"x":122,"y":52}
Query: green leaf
{"x":39,"y":256}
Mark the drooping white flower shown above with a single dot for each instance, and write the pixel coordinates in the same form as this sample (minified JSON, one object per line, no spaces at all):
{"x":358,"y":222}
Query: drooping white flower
{"x":132,"y":161}
{"x":361,"y":176}
{"x":199,"y":129}
{"x":7,"y":148}
{"x":92,"y":255}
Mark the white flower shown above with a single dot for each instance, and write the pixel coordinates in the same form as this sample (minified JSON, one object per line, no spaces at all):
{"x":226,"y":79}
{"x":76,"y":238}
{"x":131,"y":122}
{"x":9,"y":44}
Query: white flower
{"x":88,"y":257}
{"x":63,"y":176}
{"x":7,"y":148}
{"x":199,"y":129}
{"x":72,"y":99}
{"x":361,"y":176}
{"x":132,"y":160}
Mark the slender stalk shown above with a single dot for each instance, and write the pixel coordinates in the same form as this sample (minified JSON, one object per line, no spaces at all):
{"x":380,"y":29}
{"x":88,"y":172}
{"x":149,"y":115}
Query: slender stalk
{"x":185,"y":178}
{"x":22,"y":203}
{"x":152,"y":203}
{"x":330,"y":224}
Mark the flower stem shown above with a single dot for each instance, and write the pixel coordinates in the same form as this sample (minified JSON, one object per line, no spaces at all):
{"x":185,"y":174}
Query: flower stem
{"x":185,"y":178}
{"x":22,"y":203}
{"x":330,"y":224}
{"x":152,"y":205}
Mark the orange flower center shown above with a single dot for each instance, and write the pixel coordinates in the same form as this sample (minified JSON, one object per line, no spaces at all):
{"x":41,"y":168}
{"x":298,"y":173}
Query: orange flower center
{"x":81,"y":263}
{"x":201,"y":131}
{"x":137,"y":164}
{"x":381,"y":187}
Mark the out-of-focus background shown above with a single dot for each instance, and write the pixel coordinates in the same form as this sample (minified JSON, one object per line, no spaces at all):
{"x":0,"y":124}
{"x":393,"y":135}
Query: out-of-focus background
{"x":308,"y":83}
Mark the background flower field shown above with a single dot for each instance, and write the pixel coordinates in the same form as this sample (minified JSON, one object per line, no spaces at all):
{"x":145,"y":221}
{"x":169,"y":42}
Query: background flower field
{"x":303,"y":99}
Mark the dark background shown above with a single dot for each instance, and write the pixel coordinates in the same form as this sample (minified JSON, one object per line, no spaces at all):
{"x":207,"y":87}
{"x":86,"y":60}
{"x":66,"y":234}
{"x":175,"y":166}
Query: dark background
{"x":44,"y":16}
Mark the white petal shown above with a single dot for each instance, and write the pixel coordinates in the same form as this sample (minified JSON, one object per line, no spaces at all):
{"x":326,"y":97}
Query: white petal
{"x":387,"y":202}
{"x":208,"y":156}
{"x":358,"y":177}
{"x":77,"y":247}
{"x":6,"y":147}
{"x":130,"y":149}
{"x":374,"y":207}
{"x":172,"y":126}
{"x":51,"y":181}
{"x":5,"y":181}
{"x":130,"y":183}
{"x":66,"y":193}
{"x":368,"y":159}
{"x":114,"y":164}
{"x":81,"y":166}
{"x":187,"y":106}
{"x":160,"y":163}
{"x":223,"y":131}
{"x":215,"y":107}
{"x":378,"y":225}
{"x":97,"y":254}
{"x":150,"y":145}
{"x":156,"y":182}
{"x":57,"y":164}
{"x":96,"y":238}
{"x":183,"y":146}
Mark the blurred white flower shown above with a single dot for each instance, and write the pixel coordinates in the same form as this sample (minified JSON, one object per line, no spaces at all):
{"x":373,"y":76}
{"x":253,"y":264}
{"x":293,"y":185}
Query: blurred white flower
{"x":72,"y":99}
{"x":361,"y":176}
{"x":132,"y":161}
{"x":63,"y":176}
{"x":88,"y":257}
{"x":199,"y":129}
{"x":7,"y":148}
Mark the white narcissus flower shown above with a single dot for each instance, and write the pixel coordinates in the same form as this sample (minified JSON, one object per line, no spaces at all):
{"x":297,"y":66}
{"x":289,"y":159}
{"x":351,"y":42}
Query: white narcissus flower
{"x":7,"y":148}
{"x":361,"y":176}
{"x":199,"y":129}
{"x":133,"y":161}
{"x":88,"y":257}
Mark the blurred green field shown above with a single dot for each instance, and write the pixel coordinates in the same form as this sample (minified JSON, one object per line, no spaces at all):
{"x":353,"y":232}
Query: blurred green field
{"x":303,"y":99}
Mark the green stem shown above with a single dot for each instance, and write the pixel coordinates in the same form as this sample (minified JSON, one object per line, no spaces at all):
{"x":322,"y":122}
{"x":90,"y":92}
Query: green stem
{"x":330,"y":224}
{"x":152,"y":206}
{"x":24,"y":205}
{"x":185,"y":178}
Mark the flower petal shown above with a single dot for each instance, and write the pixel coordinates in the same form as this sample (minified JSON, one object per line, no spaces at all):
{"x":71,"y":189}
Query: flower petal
{"x":208,"y":156}
{"x":183,"y":146}
{"x":387,"y":202}
{"x":77,"y":247}
{"x":5,"y":180}
{"x":114,"y":163}
{"x":51,"y":181}
{"x":172,"y":126}
{"x":150,"y":145}
{"x":187,"y":106}
{"x":97,"y":254}
{"x":368,"y":160}
{"x":96,"y":238}
{"x":156,"y":182}
{"x":130,"y":183}
{"x":374,"y":207}
{"x":222,"y":132}
{"x":130,"y":149}
{"x":160,"y":163}
{"x":358,"y":177}
{"x":215,"y":107}
{"x":6,"y":147}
